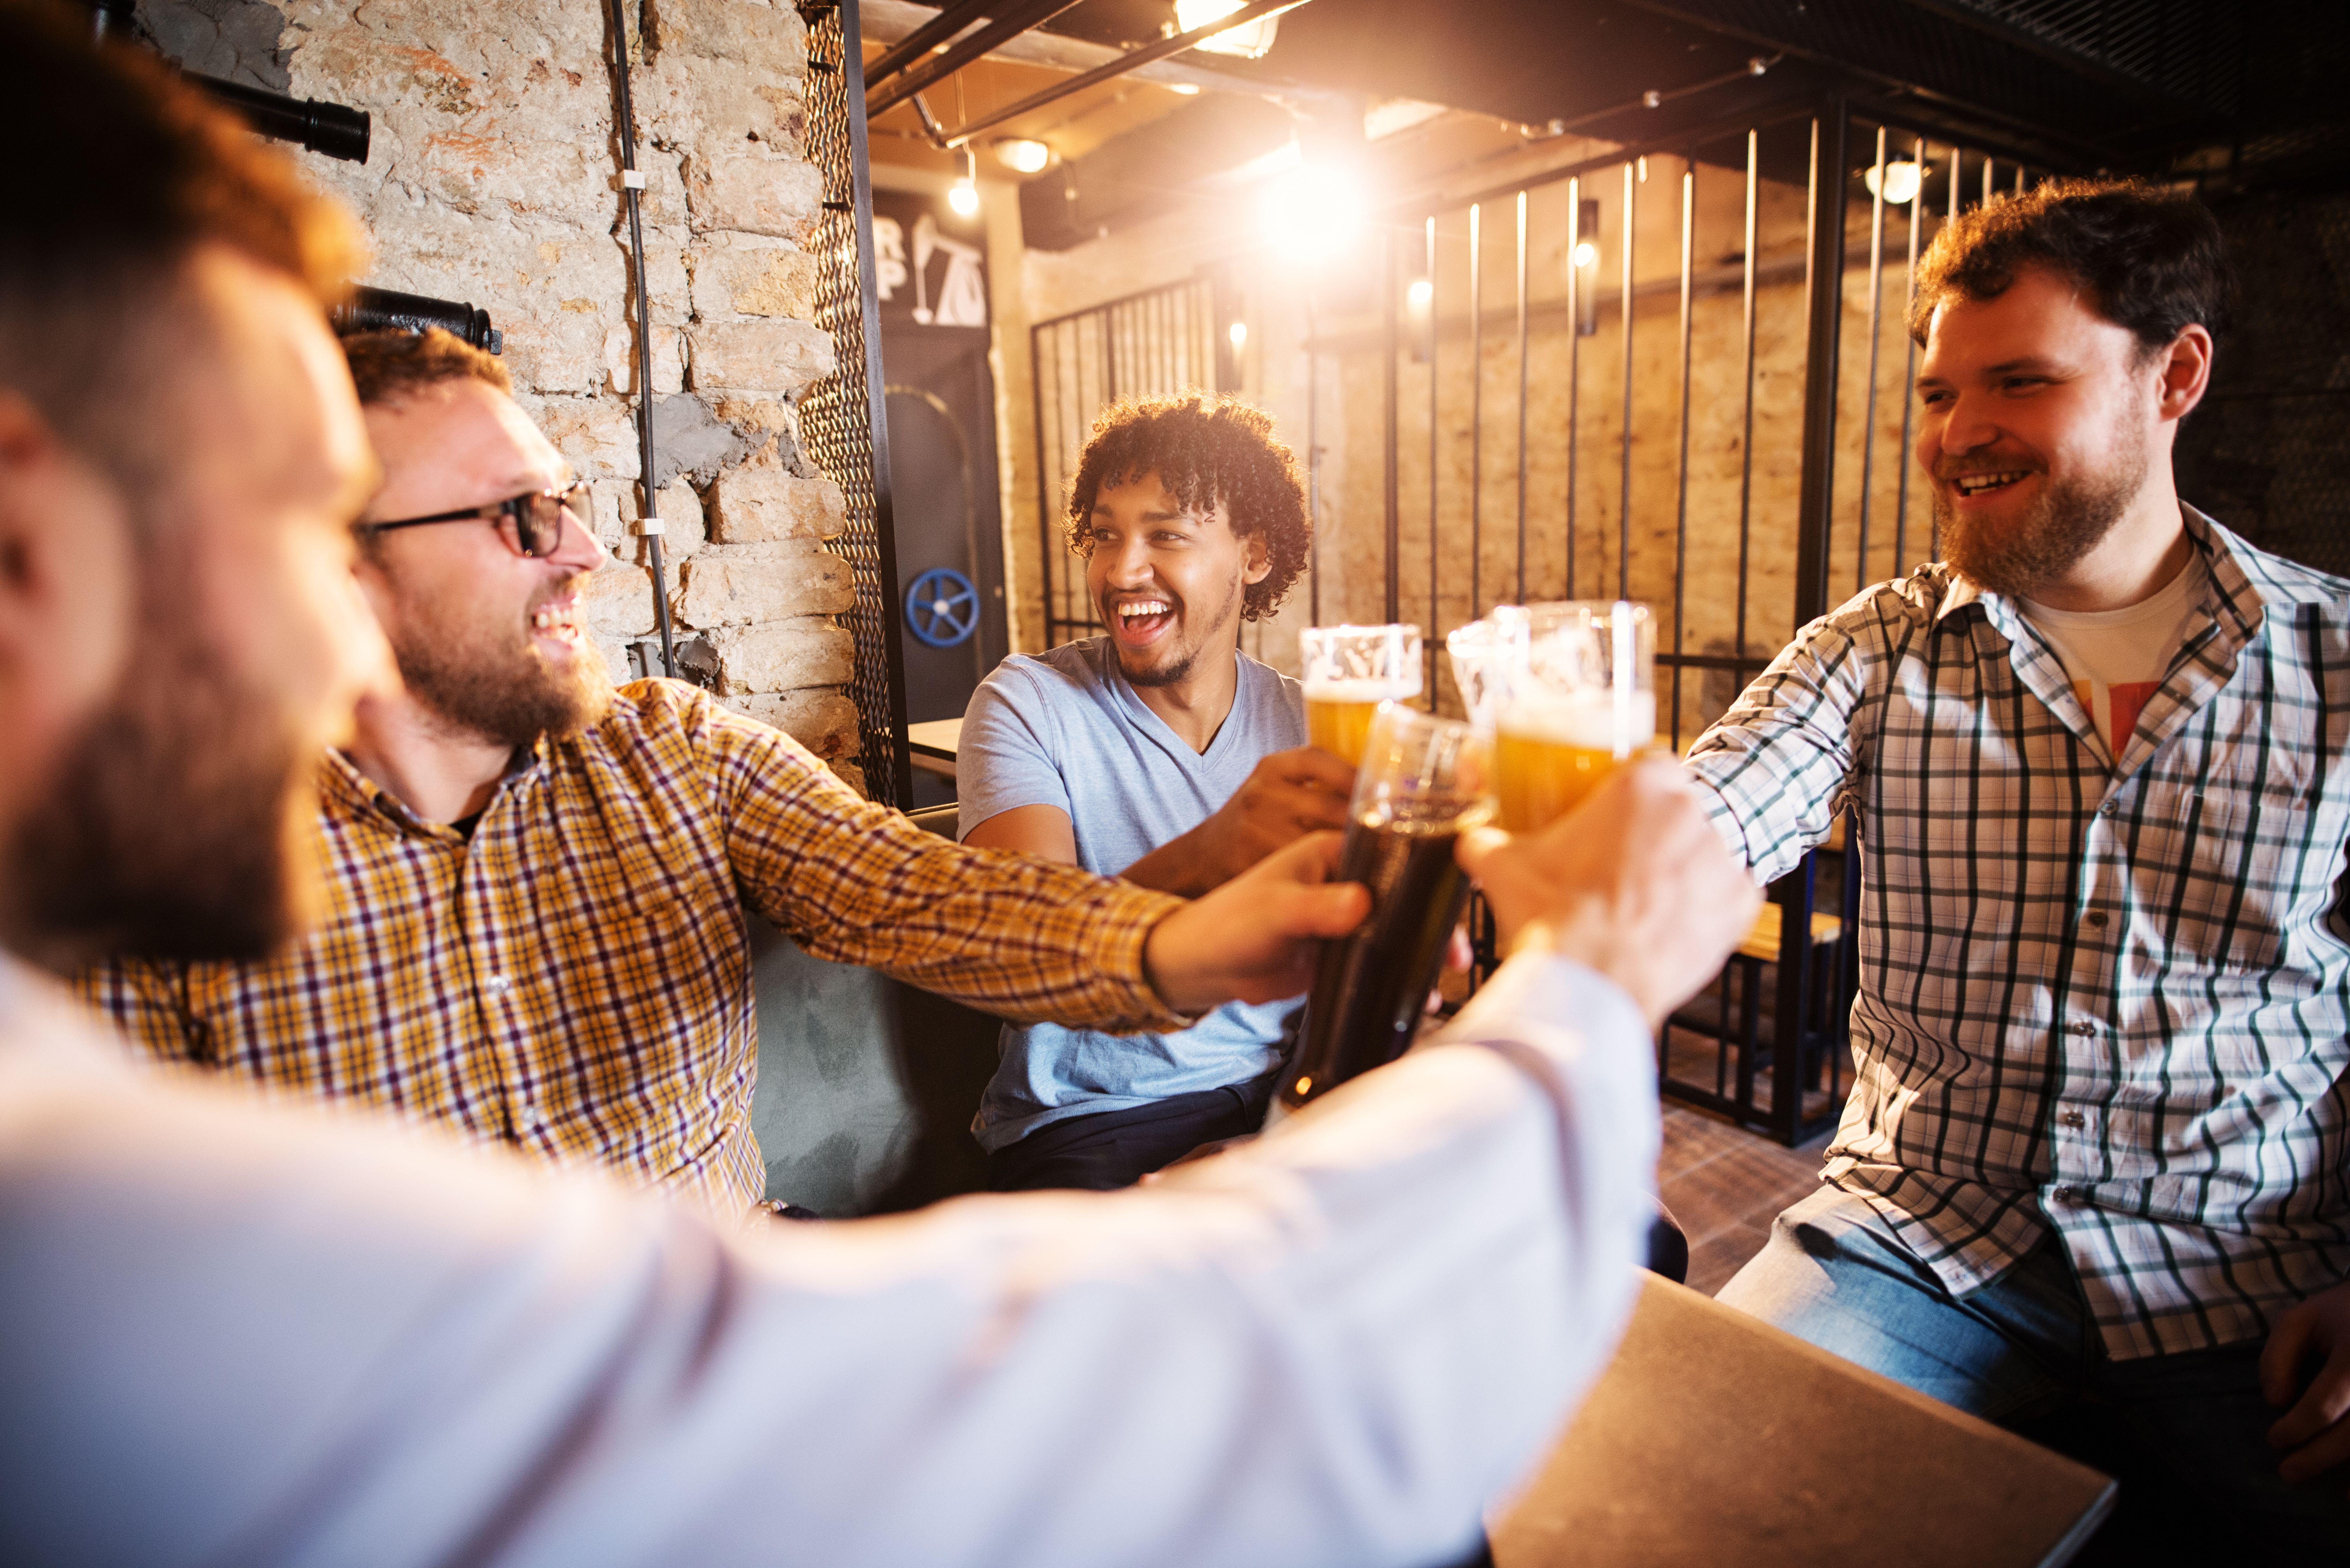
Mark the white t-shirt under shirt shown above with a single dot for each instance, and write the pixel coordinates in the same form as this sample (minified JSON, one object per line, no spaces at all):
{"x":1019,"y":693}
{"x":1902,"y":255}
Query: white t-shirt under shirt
{"x":2116,"y":658}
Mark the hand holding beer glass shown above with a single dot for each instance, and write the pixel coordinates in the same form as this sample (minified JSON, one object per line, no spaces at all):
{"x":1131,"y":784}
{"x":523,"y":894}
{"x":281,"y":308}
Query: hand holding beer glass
{"x":1581,"y":699}
{"x":1349,"y":670}
{"x":1424,"y":781}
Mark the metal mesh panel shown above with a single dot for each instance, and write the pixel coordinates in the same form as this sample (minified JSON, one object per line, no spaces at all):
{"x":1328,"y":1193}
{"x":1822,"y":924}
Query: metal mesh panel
{"x":2264,"y":452}
{"x":1164,"y":340}
{"x":2188,"y":47}
{"x":842,"y":417}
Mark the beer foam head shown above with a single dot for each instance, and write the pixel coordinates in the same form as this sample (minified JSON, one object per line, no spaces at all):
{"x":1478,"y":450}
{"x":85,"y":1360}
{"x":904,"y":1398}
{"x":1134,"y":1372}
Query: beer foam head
{"x":1582,"y":719}
{"x":1361,"y":689}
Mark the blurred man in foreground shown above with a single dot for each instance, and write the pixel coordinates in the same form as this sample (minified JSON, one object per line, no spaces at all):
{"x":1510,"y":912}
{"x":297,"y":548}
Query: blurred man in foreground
{"x":241,"y":1333}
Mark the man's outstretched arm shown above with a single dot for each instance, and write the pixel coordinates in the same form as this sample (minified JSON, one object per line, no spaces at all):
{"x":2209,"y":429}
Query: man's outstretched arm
{"x":255,"y":1333}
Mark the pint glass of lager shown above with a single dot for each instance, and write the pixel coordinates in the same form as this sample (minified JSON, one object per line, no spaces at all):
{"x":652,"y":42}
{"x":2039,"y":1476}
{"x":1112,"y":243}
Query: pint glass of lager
{"x":1487,"y":658}
{"x":1424,"y":781}
{"x":1584,"y":700}
{"x":1349,"y":672}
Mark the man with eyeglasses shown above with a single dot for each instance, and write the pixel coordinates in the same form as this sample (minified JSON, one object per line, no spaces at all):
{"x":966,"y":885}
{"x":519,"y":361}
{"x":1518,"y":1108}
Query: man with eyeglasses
{"x":538,"y":886}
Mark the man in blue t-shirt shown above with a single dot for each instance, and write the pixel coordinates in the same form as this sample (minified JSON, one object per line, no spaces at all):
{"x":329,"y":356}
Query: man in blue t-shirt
{"x":1158,"y":753}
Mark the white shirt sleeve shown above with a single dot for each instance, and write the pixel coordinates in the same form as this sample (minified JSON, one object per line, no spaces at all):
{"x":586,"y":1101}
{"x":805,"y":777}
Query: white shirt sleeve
{"x":235,"y":1332}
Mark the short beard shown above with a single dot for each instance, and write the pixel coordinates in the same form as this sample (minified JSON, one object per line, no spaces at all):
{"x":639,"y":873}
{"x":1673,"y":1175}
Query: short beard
{"x":2021,"y":559}
{"x":179,"y":824}
{"x":499,"y":689}
{"x":1171,"y":674}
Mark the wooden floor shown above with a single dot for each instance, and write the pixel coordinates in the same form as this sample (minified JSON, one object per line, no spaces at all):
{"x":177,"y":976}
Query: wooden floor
{"x":1724,"y":1185}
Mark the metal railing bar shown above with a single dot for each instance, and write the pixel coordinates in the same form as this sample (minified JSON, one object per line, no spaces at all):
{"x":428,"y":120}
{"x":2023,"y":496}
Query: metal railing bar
{"x":1908,"y":369}
{"x":1394,"y":434}
{"x":1428,"y":639}
{"x":1476,"y":424}
{"x":1573,"y":363}
{"x":1746,"y":335}
{"x":1624,"y":501}
{"x":1868,"y":402}
{"x":1522,"y":399}
{"x":1681,"y":494}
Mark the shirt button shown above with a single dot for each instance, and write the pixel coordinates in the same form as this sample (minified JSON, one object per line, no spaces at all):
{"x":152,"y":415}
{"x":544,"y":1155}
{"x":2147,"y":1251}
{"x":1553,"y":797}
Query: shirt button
{"x":2072,"y":1118}
{"x":2067,"y":1196}
{"x":497,"y":984}
{"x":2110,"y":808}
{"x":2097,"y":918}
{"x":2081,"y":1027}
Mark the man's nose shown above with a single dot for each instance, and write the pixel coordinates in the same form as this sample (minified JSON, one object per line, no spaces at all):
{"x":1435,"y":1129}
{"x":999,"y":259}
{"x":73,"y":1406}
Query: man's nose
{"x":576,"y":546}
{"x":1129,"y":563}
{"x":1966,"y":426}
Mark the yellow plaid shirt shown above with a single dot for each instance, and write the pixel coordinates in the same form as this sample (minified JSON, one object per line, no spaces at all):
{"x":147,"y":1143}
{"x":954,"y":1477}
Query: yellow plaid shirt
{"x":576,"y":978}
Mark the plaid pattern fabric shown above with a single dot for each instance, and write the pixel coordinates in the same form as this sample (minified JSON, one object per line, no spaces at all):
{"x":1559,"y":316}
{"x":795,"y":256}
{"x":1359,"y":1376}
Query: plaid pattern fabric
{"x":2104,"y":996}
{"x":576,"y":979}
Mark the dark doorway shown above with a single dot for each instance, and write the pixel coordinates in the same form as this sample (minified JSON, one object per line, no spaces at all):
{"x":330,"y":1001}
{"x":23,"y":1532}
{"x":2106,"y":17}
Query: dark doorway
{"x":943,"y":462}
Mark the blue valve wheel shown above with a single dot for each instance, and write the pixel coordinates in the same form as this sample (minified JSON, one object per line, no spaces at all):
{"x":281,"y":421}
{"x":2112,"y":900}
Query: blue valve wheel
{"x":942,"y":607}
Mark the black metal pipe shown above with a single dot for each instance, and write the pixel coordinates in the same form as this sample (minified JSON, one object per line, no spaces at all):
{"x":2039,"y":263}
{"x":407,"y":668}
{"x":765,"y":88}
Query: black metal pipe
{"x":1133,"y":60}
{"x":631,"y":188}
{"x":382,"y":309}
{"x":938,"y":29}
{"x":1016,"y":17}
{"x":331,"y":129}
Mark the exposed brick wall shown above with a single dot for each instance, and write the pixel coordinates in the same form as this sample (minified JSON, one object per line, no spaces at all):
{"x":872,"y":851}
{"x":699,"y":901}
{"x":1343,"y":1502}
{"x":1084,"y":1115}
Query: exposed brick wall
{"x":494,"y":178}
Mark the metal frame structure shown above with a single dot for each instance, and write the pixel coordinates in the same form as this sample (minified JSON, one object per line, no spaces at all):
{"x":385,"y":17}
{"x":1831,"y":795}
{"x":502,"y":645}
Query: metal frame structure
{"x":844,"y":418}
{"x":1806,"y":1033}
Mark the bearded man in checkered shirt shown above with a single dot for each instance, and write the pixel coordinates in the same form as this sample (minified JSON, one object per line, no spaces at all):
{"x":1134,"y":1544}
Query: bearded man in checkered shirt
{"x":538,"y":889}
{"x":2094,"y":1179}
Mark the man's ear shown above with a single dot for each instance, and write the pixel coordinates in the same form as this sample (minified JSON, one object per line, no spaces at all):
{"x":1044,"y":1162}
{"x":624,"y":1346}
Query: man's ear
{"x":69,"y":568}
{"x":1259,"y":555}
{"x":2186,"y":372}
{"x":69,"y":595}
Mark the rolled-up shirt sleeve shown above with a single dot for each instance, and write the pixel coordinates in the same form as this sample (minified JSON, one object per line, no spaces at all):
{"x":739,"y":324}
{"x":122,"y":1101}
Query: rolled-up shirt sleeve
{"x":253,"y":1333}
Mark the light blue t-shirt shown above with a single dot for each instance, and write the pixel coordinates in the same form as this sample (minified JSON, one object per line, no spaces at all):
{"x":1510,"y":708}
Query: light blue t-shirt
{"x":1065,"y":730}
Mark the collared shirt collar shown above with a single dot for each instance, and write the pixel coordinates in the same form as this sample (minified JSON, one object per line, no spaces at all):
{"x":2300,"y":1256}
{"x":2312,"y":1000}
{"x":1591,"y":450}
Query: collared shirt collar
{"x":343,"y":785}
{"x":2244,"y":584}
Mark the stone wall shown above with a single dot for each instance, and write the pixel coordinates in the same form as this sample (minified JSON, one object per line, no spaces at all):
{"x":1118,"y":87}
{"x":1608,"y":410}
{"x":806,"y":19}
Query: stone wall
{"x":494,"y":178}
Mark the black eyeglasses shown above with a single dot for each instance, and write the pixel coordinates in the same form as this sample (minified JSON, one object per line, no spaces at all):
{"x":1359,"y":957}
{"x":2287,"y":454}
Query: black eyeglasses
{"x":531,"y":524}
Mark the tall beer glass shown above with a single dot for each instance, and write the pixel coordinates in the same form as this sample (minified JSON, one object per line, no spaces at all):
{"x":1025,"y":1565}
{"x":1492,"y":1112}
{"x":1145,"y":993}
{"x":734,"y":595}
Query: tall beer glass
{"x":1349,"y":670}
{"x":1487,"y":656}
{"x":1583,"y":701}
{"x":1424,"y":781}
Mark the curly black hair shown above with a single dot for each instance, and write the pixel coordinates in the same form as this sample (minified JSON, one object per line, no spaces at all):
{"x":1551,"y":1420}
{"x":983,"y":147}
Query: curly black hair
{"x":1204,"y":449}
{"x":2152,"y":258}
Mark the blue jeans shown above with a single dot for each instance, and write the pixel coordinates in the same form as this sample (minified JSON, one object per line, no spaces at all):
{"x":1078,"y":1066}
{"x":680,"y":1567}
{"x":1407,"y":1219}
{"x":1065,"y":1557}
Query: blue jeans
{"x":2184,"y":1434}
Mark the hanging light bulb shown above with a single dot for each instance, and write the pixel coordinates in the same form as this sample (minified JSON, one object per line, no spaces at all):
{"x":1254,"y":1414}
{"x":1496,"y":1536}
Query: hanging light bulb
{"x":1586,"y":253}
{"x":963,"y":195}
{"x":1902,"y":180}
{"x":1238,"y":333}
{"x":1421,"y":293}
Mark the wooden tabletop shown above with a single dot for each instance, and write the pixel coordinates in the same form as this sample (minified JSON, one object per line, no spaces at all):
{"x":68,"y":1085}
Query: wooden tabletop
{"x":1715,"y":1438}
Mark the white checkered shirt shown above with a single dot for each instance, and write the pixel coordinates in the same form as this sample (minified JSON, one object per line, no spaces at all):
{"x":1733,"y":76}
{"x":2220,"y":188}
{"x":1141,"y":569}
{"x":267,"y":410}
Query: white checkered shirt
{"x":2108,"y":998}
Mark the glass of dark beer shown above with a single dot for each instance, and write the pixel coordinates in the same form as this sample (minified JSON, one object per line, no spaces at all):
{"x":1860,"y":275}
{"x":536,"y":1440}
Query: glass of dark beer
{"x":1424,"y":781}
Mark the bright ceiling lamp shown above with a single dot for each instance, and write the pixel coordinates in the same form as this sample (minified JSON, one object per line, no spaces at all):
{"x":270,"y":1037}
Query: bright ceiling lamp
{"x":1250,"y":40}
{"x":1902,"y":180}
{"x":1022,"y":155}
{"x":1314,"y":212}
